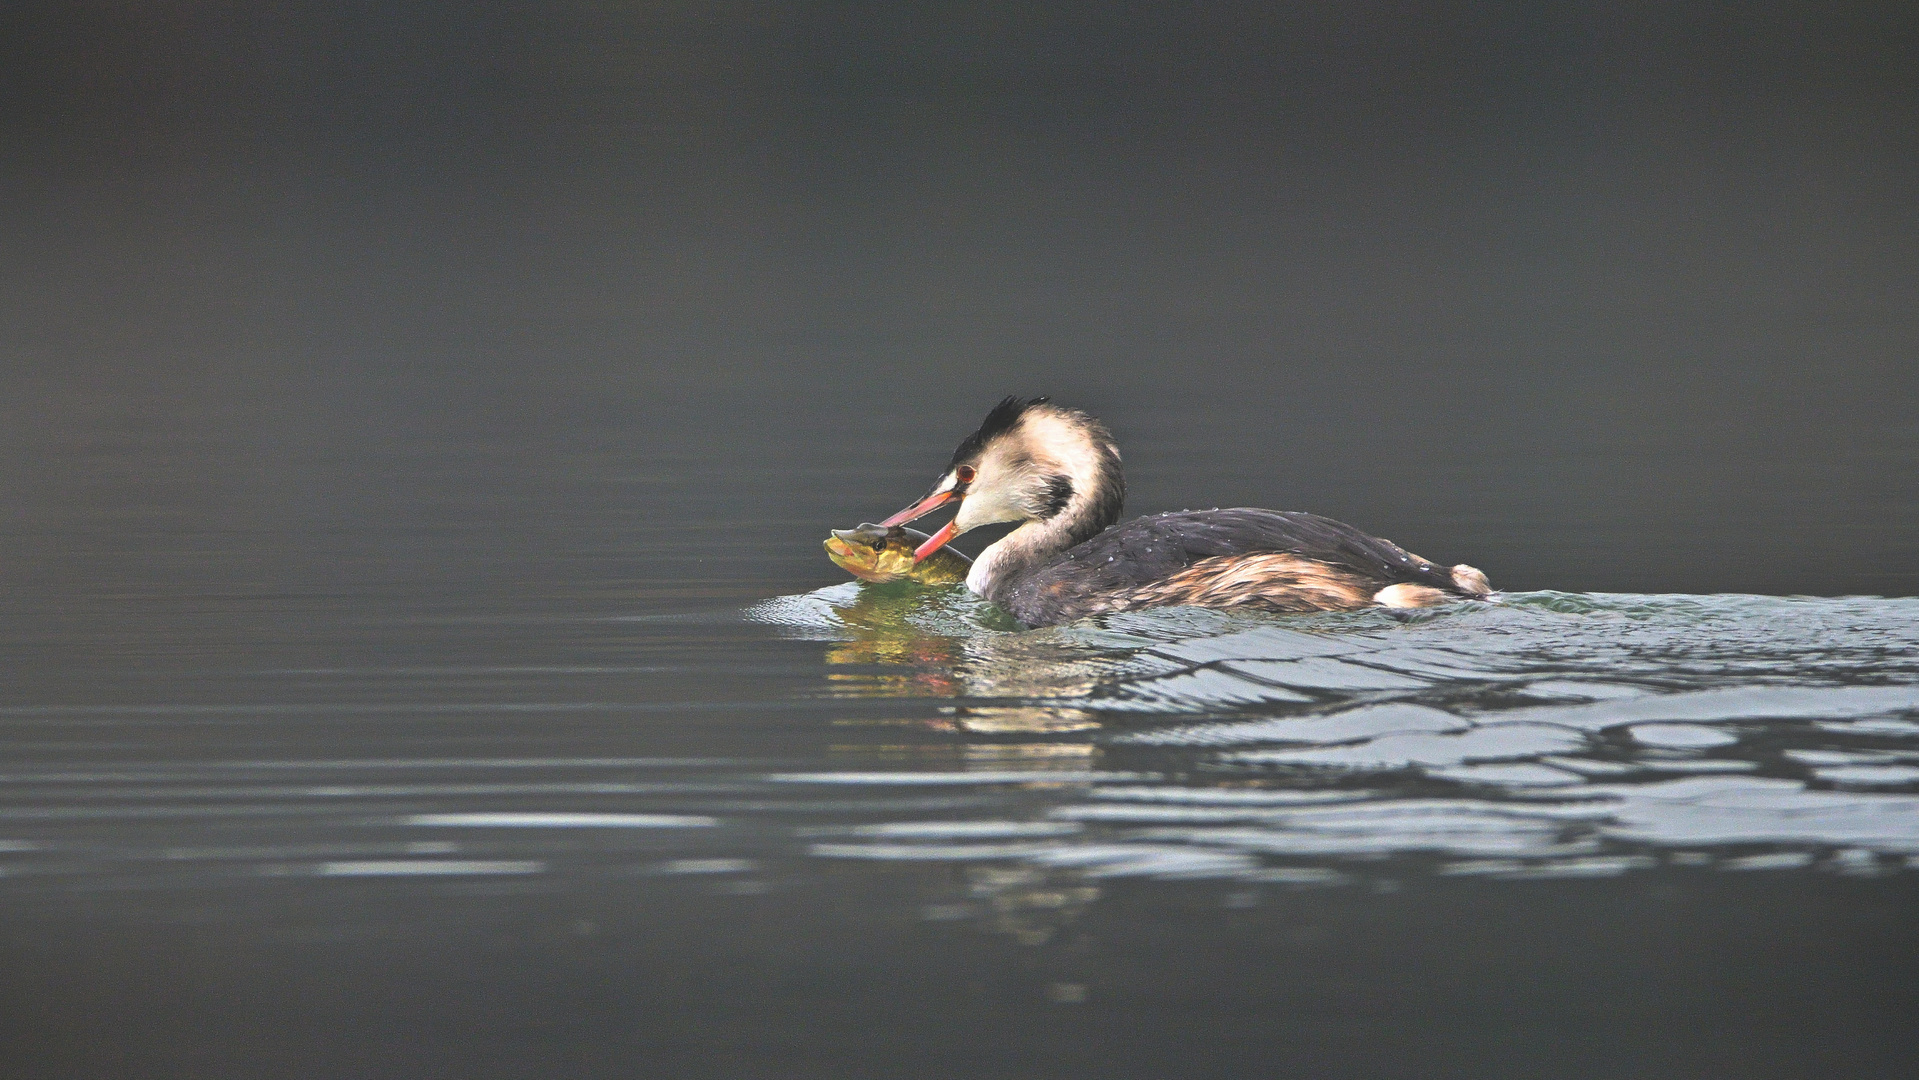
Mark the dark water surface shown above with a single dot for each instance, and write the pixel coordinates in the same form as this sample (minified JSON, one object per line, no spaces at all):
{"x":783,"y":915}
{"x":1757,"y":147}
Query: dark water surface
{"x":420,"y":422}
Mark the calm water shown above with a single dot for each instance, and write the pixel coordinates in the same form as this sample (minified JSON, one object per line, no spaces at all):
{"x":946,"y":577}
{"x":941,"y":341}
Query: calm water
{"x":494,"y":796}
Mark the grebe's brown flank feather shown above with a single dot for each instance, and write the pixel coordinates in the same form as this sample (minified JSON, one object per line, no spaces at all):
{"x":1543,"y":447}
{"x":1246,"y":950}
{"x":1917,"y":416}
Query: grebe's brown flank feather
{"x":1268,"y":581}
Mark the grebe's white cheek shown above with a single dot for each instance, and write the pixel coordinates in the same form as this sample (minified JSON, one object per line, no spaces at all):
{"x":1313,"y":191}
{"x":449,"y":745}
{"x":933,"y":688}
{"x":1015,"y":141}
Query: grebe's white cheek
{"x":985,"y":508}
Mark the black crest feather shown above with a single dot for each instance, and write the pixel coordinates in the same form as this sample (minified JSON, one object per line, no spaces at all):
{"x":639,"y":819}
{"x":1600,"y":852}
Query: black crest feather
{"x":998,"y":422}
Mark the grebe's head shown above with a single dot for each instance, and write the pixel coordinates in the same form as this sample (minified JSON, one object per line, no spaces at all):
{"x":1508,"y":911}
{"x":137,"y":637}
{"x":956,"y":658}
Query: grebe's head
{"x":1029,"y":461}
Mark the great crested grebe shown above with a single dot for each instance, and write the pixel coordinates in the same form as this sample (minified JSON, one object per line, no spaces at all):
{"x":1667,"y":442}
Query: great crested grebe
{"x":1057,"y":471}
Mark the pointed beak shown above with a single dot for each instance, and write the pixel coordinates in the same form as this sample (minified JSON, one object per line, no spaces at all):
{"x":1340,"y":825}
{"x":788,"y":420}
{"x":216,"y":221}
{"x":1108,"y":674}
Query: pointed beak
{"x":920,"y":509}
{"x":936,"y":541}
{"x":949,"y":489}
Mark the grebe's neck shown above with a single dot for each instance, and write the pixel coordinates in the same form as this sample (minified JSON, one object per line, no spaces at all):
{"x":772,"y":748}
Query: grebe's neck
{"x":1091,"y":509}
{"x":1035,"y":543}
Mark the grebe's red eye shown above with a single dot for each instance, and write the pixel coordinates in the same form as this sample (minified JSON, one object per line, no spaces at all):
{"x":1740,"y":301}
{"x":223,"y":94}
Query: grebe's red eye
{"x":964,"y":474}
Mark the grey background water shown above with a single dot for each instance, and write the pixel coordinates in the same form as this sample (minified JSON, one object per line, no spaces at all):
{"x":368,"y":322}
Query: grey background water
{"x":403,"y":406}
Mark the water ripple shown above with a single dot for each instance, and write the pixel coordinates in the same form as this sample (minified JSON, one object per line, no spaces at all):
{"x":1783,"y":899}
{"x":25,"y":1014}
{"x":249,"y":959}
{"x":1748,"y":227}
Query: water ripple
{"x":1549,"y":737}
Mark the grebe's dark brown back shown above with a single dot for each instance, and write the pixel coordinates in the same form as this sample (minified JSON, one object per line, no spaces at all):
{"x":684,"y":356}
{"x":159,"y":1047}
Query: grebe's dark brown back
{"x":1057,"y":472}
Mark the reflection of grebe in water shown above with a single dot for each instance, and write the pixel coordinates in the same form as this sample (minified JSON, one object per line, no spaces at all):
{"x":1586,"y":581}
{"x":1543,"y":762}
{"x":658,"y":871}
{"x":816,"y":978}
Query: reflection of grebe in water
{"x":1057,"y":473}
{"x":900,"y":639}
{"x":877,"y":628}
